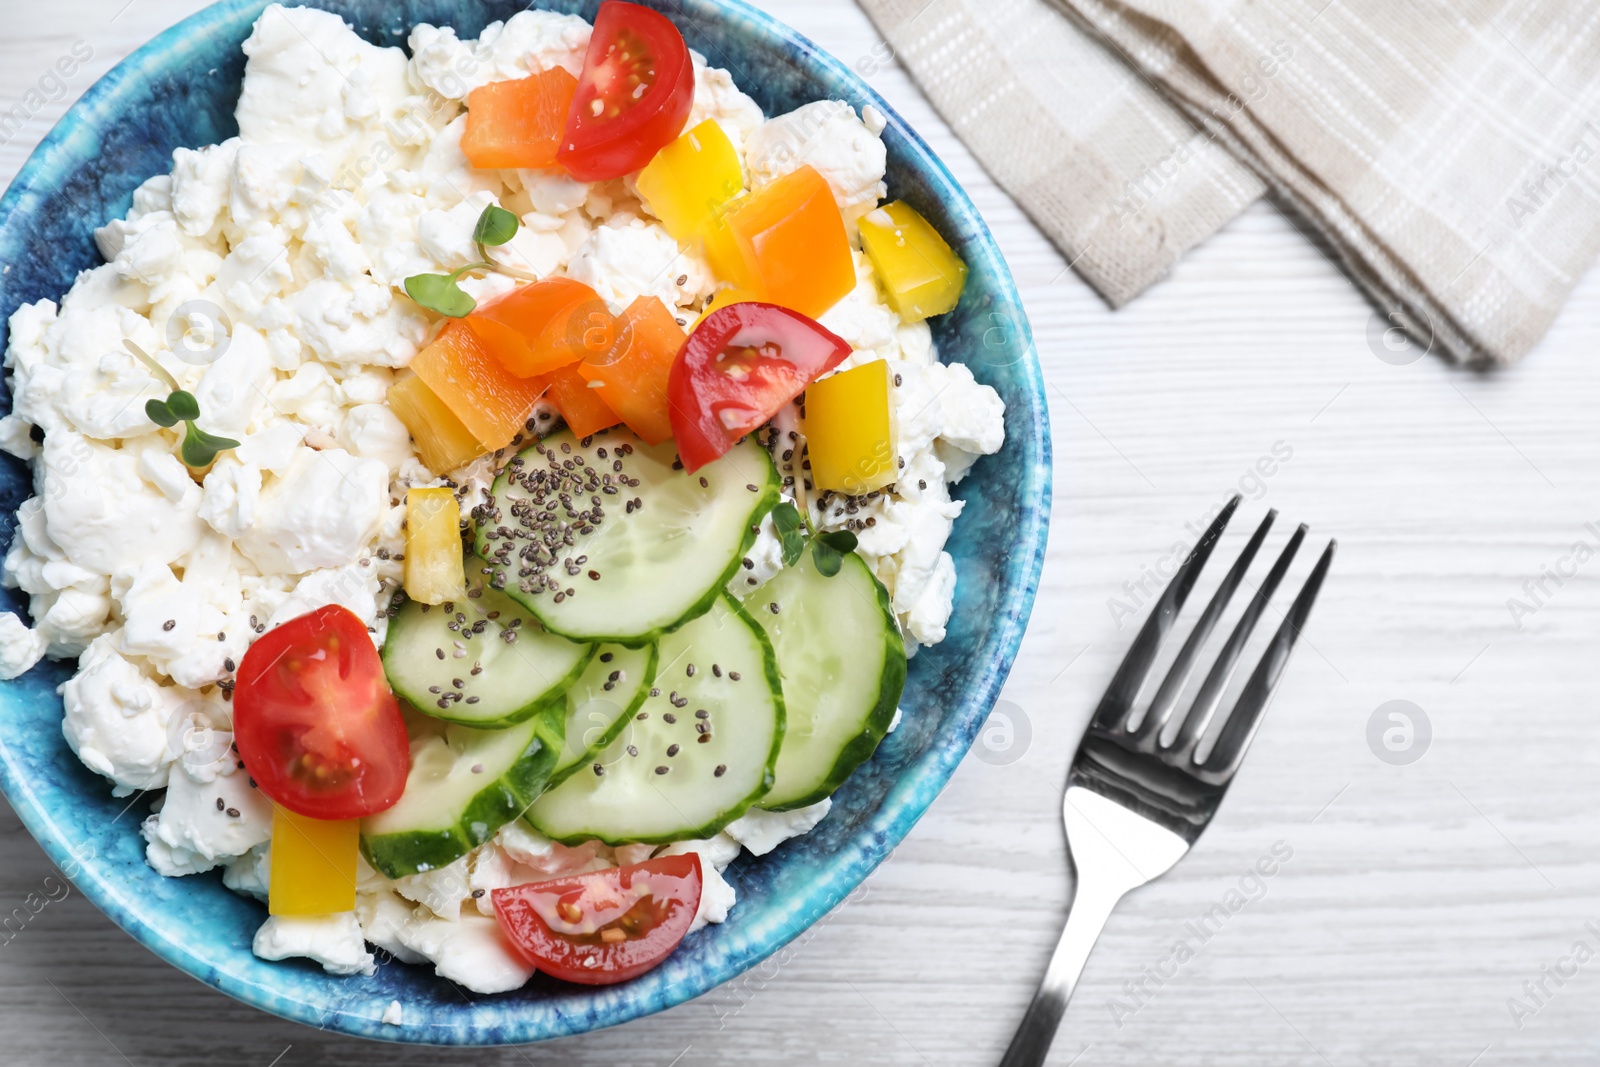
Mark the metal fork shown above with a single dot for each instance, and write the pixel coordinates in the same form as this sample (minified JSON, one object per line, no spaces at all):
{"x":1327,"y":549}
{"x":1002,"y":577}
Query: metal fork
{"x":1135,"y":803}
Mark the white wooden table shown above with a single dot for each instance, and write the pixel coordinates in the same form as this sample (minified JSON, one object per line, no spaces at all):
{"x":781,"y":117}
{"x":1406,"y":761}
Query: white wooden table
{"x":1417,"y":900}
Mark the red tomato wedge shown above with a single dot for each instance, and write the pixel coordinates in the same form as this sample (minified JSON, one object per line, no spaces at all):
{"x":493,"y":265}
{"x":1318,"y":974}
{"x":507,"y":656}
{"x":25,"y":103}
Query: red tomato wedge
{"x":519,"y":123}
{"x":633,"y":97}
{"x":315,"y":721}
{"x":604,"y":927}
{"x":738,"y":368}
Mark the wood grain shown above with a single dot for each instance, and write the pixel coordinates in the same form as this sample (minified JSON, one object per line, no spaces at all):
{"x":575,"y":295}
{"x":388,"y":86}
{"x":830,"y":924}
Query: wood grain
{"x":1417,"y":899}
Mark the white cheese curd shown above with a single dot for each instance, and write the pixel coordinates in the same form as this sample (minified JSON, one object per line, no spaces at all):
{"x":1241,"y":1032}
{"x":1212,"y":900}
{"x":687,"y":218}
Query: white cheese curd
{"x":527,"y":43}
{"x":440,"y":890}
{"x":322,"y":512}
{"x":828,"y":136}
{"x":394,"y":1014}
{"x":863,"y":319}
{"x":717,"y":97}
{"x":266,"y":275}
{"x":629,"y":257}
{"x":472,"y":952}
{"x":334,"y":941}
{"x":205,"y":819}
{"x":102,"y":512}
{"x":20,"y":647}
{"x":175,"y":624}
{"x":382,"y":914}
{"x":250,"y":874}
{"x":762,"y":831}
{"x":117,"y":718}
{"x":232,"y":491}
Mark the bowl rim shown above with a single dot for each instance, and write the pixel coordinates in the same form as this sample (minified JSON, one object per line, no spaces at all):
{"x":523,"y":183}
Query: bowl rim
{"x":907,"y":799}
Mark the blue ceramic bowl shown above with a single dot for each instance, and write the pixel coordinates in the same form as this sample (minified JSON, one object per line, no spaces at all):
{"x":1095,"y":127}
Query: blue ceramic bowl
{"x":180,"y":90}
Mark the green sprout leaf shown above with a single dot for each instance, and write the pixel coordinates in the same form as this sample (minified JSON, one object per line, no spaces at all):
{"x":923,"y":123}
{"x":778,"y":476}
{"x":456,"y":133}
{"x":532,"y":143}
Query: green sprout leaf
{"x":787,"y":522}
{"x":495,"y":226}
{"x":827,"y":559}
{"x":439,"y":292}
{"x":786,"y":517}
{"x":184,"y":405}
{"x":159,"y":413}
{"x":840,"y":541}
{"x":794,"y":545}
{"x":201,"y":448}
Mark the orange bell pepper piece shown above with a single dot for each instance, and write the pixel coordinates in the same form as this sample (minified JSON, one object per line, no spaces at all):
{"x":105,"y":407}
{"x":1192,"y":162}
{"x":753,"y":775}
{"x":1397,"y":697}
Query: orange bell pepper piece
{"x":786,"y":243}
{"x":631,"y":379}
{"x":514,"y":124}
{"x":538,"y":328}
{"x":491,"y":402}
{"x":581,"y":406}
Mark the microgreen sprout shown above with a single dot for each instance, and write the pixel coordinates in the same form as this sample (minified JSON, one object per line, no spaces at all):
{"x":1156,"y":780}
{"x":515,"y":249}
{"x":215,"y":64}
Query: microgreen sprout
{"x":827,"y":549}
{"x":442,"y":292}
{"x":199,"y":448}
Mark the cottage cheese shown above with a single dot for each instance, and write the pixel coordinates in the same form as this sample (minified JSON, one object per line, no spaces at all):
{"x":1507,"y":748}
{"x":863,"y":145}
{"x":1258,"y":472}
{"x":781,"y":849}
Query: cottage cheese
{"x":265,"y":275}
{"x":334,"y":941}
{"x":20,"y":647}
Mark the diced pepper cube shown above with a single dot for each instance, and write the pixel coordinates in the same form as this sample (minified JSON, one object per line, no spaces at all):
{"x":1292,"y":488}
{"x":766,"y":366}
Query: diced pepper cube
{"x":585,"y":413}
{"x":313,"y":864}
{"x":513,"y":124}
{"x":850,"y":430}
{"x":722,"y":299}
{"x":537,"y":328}
{"x":691,"y":180}
{"x":434,"y":571}
{"x":786,"y":243}
{"x":491,"y":402}
{"x":443,"y":443}
{"x":920,"y":273}
{"x":631,"y":379}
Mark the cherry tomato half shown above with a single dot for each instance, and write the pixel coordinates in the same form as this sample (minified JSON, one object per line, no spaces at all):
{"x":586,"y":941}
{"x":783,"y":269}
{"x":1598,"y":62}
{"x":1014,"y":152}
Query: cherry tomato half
{"x":738,"y":368}
{"x":606,"y":926}
{"x":634,"y":95}
{"x":315,"y":721}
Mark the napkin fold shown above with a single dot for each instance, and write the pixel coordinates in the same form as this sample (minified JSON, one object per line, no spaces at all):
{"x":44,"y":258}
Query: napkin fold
{"x":1445,"y":152}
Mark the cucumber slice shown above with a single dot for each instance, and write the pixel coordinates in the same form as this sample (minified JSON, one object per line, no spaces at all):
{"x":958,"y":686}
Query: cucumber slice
{"x":843,"y":665}
{"x":659,"y":781}
{"x":600,"y":704}
{"x":481,"y":661}
{"x":462,"y":788}
{"x":597,"y":560}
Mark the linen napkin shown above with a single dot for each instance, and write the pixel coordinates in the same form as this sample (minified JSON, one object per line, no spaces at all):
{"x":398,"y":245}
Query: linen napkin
{"x":1442,"y":150}
{"x":1117,"y":177}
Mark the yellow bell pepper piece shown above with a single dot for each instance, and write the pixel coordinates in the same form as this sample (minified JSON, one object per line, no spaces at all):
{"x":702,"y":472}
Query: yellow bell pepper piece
{"x":689,"y":182}
{"x":313,"y":864}
{"x":434,"y":571}
{"x":722,"y":299}
{"x":850,"y":430}
{"x":443,"y":443}
{"x":920,"y":274}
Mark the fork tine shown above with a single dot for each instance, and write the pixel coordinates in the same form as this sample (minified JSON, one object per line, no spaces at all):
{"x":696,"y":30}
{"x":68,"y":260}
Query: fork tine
{"x":1211,"y":690}
{"x":1130,"y":676}
{"x":1178,"y":674}
{"x":1240,"y":729}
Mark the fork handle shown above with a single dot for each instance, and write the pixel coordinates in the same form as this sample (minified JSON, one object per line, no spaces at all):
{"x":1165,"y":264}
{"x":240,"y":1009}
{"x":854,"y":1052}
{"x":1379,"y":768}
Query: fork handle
{"x":1091,"y":907}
